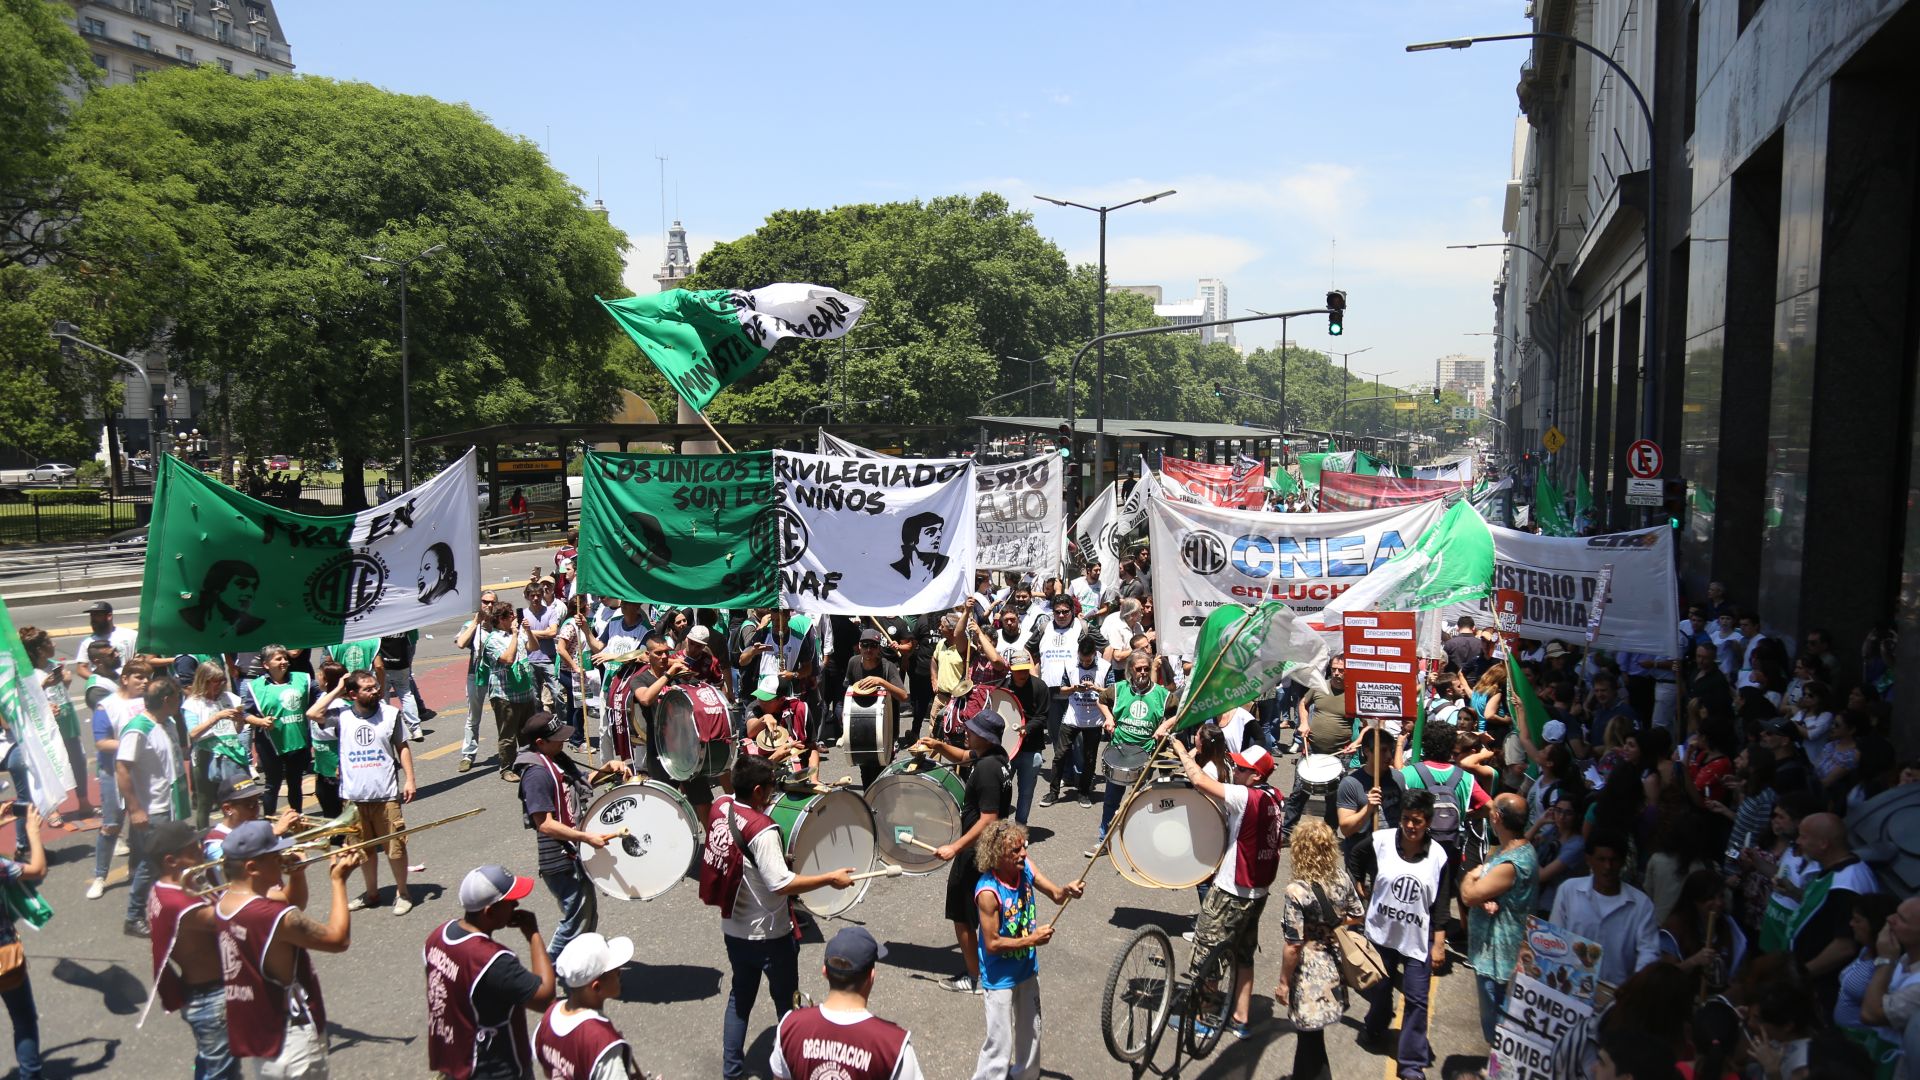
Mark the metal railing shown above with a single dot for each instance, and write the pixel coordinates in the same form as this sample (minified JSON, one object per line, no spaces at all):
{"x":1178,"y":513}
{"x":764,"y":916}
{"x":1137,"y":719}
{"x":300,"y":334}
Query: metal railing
{"x":70,"y":565}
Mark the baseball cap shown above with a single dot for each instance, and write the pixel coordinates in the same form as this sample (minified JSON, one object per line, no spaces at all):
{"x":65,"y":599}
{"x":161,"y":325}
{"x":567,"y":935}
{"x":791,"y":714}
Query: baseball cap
{"x":250,"y":840}
{"x":172,"y":836}
{"x":1553,"y":731}
{"x":1254,"y":758}
{"x":99,"y":607}
{"x":700,"y":634}
{"x":854,"y":950}
{"x":987,"y":724}
{"x":590,"y":956}
{"x":869,"y":634}
{"x":240,"y":789}
{"x":1781,"y":726}
{"x":486,"y":886}
{"x":543,"y":725}
{"x":1019,"y":659}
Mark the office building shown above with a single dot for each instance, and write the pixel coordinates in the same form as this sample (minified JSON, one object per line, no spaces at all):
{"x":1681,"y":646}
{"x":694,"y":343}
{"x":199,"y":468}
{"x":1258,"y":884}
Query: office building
{"x":130,"y":38}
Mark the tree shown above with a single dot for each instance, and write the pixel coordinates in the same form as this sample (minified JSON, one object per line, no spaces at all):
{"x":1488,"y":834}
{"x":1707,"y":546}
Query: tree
{"x":263,"y":196}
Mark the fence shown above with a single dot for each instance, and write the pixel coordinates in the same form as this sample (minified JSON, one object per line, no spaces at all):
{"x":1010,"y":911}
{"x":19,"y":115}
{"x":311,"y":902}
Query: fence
{"x":28,"y":522}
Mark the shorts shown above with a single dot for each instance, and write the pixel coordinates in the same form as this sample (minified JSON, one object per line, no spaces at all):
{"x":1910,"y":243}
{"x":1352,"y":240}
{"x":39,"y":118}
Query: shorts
{"x":378,"y":819}
{"x":962,"y":876}
{"x":1229,"y":918}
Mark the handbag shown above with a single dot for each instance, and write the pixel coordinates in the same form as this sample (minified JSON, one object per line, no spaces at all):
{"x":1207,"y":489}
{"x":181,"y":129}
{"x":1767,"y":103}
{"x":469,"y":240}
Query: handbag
{"x":1360,"y":965}
{"x":13,"y":965}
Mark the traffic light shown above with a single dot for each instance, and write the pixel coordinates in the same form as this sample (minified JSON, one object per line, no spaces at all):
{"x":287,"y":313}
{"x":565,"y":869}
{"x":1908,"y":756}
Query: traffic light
{"x":1336,"y":312}
{"x":1219,"y":390}
{"x":1066,"y":439}
{"x":1673,"y":500}
{"x":1436,"y":393}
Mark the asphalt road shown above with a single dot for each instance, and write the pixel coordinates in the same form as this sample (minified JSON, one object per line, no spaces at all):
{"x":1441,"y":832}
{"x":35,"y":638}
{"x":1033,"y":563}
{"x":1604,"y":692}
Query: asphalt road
{"x":90,"y":981}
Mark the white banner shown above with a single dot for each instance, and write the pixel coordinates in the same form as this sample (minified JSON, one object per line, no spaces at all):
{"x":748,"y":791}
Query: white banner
{"x":1021,"y":516}
{"x":1098,"y":534}
{"x":1205,"y":556}
{"x":860,"y":536}
{"x":1561,"y":577}
{"x":834,"y":444}
{"x":1460,"y":468}
{"x":436,"y":528}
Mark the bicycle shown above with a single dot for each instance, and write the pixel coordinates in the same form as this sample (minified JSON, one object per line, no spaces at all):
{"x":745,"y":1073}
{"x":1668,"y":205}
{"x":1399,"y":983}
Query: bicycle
{"x":1143,"y":997}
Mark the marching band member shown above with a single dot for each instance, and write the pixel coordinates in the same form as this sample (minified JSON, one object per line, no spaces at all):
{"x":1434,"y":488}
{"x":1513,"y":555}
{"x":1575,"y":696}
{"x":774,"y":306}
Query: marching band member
{"x":478,"y":993}
{"x":777,"y":706}
{"x":275,"y":1013}
{"x":553,"y":796}
{"x":186,"y":953}
{"x":841,"y":1037}
{"x":988,"y":798}
{"x":574,"y":1041}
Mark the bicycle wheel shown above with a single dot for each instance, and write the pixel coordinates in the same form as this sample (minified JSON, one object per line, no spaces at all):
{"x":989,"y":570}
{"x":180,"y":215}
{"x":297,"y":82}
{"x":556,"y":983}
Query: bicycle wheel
{"x":1139,"y":994}
{"x":1209,"y":1000}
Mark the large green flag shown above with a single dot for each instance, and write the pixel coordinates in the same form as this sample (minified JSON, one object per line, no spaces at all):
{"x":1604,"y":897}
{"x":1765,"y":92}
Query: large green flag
{"x":1525,"y":703}
{"x":229,"y":573}
{"x":679,"y":529}
{"x":1310,"y":465}
{"x":703,"y":341}
{"x":1549,"y":506}
{"x":1243,"y":654}
{"x":1281,"y":482}
{"x":1452,"y":562}
{"x":1582,"y":496}
{"x":29,"y":717}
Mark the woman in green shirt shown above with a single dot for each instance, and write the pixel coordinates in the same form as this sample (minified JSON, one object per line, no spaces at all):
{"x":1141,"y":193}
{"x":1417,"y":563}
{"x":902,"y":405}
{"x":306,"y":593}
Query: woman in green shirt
{"x":1139,"y":705}
{"x":277,"y":703}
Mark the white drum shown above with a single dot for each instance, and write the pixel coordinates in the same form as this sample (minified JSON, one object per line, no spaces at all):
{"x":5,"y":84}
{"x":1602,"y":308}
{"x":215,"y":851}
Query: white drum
{"x":872,"y":727}
{"x":1172,"y":836}
{"x":1002,"y":701}
{"x":1319,"y":774}
{"x":663,"y":839}
{"x":823,"y":833}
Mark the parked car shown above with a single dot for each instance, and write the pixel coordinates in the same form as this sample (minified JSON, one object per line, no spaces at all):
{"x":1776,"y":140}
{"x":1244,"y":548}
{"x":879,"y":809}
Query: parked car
{"x":279,"y":461}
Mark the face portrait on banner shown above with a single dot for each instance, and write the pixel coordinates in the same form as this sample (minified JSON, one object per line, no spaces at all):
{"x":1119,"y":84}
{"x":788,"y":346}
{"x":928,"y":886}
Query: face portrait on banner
{"x":921,"y":559}
{"x":873,"y":536}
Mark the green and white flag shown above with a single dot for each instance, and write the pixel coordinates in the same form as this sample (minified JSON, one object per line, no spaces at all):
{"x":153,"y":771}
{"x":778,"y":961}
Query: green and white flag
{"x":681,"y":529}
{"x":229,"y":573}
{"x":1244,"y":654}
{"x":29,"y":719}
{"x":705,"y":340}
{"x":1549,"y":506}
{"x":1450,"y":563}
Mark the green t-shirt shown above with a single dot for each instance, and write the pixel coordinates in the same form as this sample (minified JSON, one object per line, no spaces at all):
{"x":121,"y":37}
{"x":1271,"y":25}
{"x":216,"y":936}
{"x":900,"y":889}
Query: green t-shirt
{"x":1136,"y":715}
{"x":356,"y":655}
{"x":286,"y":705}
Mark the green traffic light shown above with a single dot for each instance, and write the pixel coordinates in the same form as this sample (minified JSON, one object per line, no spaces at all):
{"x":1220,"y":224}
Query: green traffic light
{"x":1066,"y":452}
{"x":1334,"y":328}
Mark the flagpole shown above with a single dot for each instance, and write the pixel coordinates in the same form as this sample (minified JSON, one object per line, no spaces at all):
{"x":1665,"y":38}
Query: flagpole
{"x":722,"y":439}
{"x":1139,"y":782}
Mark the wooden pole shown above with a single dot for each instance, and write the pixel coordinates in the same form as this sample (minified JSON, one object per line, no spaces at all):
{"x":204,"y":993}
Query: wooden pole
{"x":716,"y":431}
{"x":1376,"y":757}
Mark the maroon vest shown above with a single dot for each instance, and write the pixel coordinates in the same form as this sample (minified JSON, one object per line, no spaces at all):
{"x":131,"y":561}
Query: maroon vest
{"x":258,"y":1008}
{"x":868,"y":1050}
{"x":456,"y":960}
{"x":723,"y":861}
{"x":166,"y":906}
{"x":573,"y":1056}
{"x":1256,"y":858}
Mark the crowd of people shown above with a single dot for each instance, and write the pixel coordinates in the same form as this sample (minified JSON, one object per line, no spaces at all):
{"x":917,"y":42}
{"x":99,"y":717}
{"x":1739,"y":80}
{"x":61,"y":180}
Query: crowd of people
{"x":1688,"y":812}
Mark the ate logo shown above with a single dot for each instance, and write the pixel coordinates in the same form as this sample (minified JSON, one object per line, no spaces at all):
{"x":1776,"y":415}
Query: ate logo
{"x":780,"y":535}
{"x":1407,"y":890}
{"x":346,"y":587}
{"x":364,"y":737}
{"x":1204,"y":553}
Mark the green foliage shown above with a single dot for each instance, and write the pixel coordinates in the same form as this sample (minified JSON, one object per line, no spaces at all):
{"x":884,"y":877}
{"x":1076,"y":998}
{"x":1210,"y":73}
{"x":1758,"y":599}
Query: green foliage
{"x":90,"y":472}
{"x":73,"y":496}
{"x":40,"y":57}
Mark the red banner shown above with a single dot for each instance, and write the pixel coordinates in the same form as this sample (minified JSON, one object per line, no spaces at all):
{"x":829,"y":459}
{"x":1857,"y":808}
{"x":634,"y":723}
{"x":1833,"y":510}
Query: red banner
{"x":1382,"y":662}
{"x":1216,"y":485}
{"x":1356,"y":491}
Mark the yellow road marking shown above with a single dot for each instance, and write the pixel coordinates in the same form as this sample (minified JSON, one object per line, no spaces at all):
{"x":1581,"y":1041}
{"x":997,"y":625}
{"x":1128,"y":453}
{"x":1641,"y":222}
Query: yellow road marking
{"x":1391,"y":1071}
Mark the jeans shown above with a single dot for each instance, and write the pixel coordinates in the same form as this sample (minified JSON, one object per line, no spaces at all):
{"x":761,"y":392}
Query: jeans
{"x":1414,"y":978}
{"x":288,"y":769}
{"x":779,"y":960}
{"x":110,"y":818}
{"x":1026,"y":771}
{"x":144,"y":864}
{"x":26,"y":1028}
{"x":579,"y":913}
{"x":400,"y":685}
{"x":1081,"y":748}
{"x":206,"y":1015}
{"x":1110,"y":801}
{"x":16,"y":765}
{"x":1011,"y":1050}
{"x":1492,"y":995}
{"x":546,"y":688}
{"x":470,"y":735}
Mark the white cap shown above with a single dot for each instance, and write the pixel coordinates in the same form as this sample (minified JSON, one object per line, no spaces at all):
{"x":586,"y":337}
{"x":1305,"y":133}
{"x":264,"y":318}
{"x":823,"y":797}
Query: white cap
{"x":1553,"y":731}
{"x":700,"y":634}
{"x":590,"y":956}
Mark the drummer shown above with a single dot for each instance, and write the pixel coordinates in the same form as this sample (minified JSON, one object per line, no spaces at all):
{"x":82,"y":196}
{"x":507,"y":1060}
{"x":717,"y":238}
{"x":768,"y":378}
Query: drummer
{"x":552,"y":797}
{"x":702,"y":663}
{"x":869,"y":673}
{"x":781,"y":730}
{"x":1027,"y":688}
{"x":1139,"y":705}
{"x":987,"y":799}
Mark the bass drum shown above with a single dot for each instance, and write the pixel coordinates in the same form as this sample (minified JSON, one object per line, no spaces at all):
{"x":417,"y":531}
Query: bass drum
{"x":663,"y":839}
{"x":873,"y":728}
{"x":693,"y":735}
{"x":916,"y":796}
{"x":823,"y":833}
{"x":1172,"y":836}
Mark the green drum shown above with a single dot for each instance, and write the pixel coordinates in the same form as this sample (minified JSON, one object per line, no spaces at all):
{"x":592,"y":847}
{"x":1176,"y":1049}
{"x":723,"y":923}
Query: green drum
{"x":824,"y":833}
{"x":919,"y":798}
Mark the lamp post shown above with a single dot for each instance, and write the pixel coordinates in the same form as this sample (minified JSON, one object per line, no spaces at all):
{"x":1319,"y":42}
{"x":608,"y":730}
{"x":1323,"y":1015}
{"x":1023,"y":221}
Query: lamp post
{"x":1376,"y":397}
{"x":1345,"y":376}
{"x":406,"y":396}
{"x":1100,"y":322}
{"x":63,"y":332}
{"x":1030,"y":389}
{"x":1649,"y":390}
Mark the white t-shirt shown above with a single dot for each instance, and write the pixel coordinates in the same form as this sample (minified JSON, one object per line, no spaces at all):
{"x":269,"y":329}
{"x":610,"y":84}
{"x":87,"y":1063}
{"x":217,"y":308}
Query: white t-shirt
{"x":1234,"y":726}
{"x":1083,"y":706}
{"x":149,"y":756}
{"x":1118,"y":634}
{"x":119,"y":636}
{"x":907,"y":1068}
{"x":196,"y":710}
{"x":370,"y":754}
{"x":759,"y":911}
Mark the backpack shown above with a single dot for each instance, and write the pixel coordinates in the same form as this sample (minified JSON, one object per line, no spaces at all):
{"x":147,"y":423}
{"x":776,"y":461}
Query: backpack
{"x":1445,"y":826}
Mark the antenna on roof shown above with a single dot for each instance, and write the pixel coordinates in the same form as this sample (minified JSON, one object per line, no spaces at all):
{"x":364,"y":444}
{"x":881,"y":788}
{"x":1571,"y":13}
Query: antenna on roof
{"x":663,"y":205}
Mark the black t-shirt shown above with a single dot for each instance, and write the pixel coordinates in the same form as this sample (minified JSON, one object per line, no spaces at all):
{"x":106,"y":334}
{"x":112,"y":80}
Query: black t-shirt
{"x":538,"y":796}
{"x":989,"y":789}
{"x":1467,"y":652}
{"x":504,"y":987}
{"x":396,"y":651}
{"x":1832,"y":921}
{"x":1034,"y":704}
{"x":857,"y":670}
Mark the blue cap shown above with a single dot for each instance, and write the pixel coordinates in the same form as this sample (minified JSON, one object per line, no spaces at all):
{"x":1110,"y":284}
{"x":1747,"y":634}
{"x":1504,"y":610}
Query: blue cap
{"x":987,"y":724}
{"x":250,"y":840}
{"x":853,"y":950}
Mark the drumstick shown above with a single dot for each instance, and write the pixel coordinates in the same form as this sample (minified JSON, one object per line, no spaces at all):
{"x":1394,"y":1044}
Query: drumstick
{"x":885,"y":871}
{"x":905,"y":836}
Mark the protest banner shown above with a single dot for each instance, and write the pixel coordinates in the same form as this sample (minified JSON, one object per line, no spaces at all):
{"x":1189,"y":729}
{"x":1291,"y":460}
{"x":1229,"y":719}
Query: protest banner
{"x":1543,"y":1024}
{"x":678,"y":529}
{"x":1359,"y":491}
{"x":1460,"y":469}
{"x":1241,"y":485}
{"x":1020,"y":515}
{"x":1206,"y":556}
{"x":30,"y":723}
{"x":1561,"y":578}
{"x":864,"y":536}
{"x":1382,"y":669}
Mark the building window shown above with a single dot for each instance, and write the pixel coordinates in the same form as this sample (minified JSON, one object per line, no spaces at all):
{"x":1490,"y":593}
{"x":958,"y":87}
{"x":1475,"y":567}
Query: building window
{"x":141,"y":71}
{"x":258,"y":74}
{"x":143,"y":41}
{"x":260,"y":44}
{"x":183,"y":17}
{"x":184,"y":53}
{"x":223,"y":30}
{"x":100,"y":61}
{"x":226,"y":65}
{"x":95,"y":28}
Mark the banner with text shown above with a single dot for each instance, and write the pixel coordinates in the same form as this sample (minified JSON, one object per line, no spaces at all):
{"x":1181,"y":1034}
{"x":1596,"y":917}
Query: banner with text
{"x":1358,"y":491}
{"x":1544,"y":1023}
{"x":1241,"y":485}
{"x":1020,"y":515}
{"x":1561,"y":577}
{"x":860,"y":536}
{"x":679,"y":529}
{"x":1205,"y":556}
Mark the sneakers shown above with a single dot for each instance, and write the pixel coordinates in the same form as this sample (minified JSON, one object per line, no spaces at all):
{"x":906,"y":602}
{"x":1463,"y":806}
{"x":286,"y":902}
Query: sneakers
{"x":96,"y":888}
{"x":402,"y":905}
{"x":136,"y":928}
{"x":466,"y":763}
{"x":120,"y":848}
{"x":1086,"y":799}
{"x":427,"y":714}
{"x":1090,"y":852}
{"x":1186,"y":935}
{"x":361,"y":903}
{"x":1049,"y":798}
{"x":960,"y":984}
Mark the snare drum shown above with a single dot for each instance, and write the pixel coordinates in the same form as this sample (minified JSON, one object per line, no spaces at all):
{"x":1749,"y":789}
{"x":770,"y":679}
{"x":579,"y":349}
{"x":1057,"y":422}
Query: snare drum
{"x":693,"y":735}
{"x":823,"y":833}
{"x":1123,"y":762}
{"x":872,"y":726}
{"x":663,"y":838}
{"x":1319,"y":775}
{"x":920,"y":796}
{"x":1172,"y":836}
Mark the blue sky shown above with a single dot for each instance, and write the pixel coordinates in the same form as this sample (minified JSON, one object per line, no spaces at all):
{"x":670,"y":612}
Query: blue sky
{"x":1302,"y":140}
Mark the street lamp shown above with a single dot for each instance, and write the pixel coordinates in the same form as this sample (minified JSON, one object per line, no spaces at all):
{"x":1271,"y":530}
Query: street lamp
{"x":1100,"y":322}
{"x":1649,"y":394}
{"x":1519,"y":247}
{"x":980,"y":448}
{"x":406,"y":396}
{"x":63,"y":332}
{"x":1029,"y":364}
{"x":1345,"y":376}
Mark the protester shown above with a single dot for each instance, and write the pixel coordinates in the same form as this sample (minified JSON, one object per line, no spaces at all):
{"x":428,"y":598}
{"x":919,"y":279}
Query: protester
{"x":841,"y":1037}
{"x":186,"y":953}
{"x":276,"y":704}
{"x":1603,"y":908}
{"x":478,"y":992}
{"x":1138,"y":707}
{"x":215,"y":722}
{"x":21,"y":1010}
{"x":472,"y":634}
{"x":376,"y":776}
{"x":101,"y":628}
{"x":575,"y":1041}
{"x":1319,"y":897}
{"x":1077,"y":717}
{"x":553,"y":799}
{"x":986,"y":799}
{"x":1031,"y":693}
{"x":1009,"y":934}
{"x":1499,"y":894}
{"x":150,"y":770}
{"x":1406,"y":921}
{"x":57,"y":680}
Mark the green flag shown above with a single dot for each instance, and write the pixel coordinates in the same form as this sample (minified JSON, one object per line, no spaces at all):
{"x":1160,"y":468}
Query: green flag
{"x":1281,"y":482}
{"x":1582,"y":496}
{"x":706,"y":340}
{"x":1452,"y":562}
{"x":1525,"y":703}
{"x":679,"y":529}
{"x":1243,"y":654}
{"x":1415,"y":740}
{"x":29,"y":716}
{"x":1310,"y":465}
{"x":1549,"y":507}
{"x":229,"y":573}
